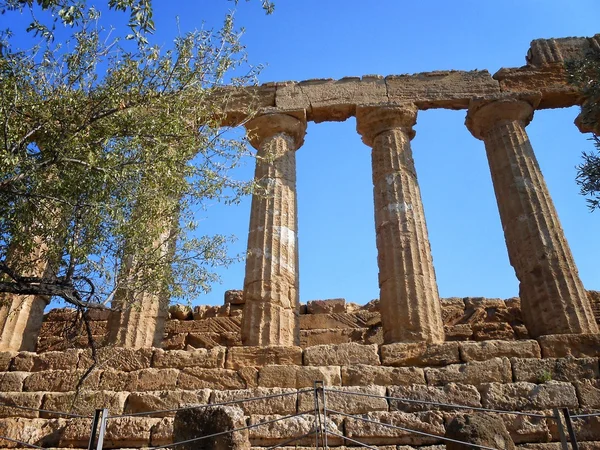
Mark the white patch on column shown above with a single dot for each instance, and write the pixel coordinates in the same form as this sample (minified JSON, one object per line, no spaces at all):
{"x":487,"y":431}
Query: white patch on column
{"x":399,"y":207}
{"x":286,"y":236}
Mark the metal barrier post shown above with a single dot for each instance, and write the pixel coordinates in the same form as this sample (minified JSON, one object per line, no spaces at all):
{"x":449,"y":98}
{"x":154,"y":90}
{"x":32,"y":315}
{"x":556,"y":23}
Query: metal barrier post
{"x":102,"y":429}
{"x":570,"y":429}
{"x":319,"y":430}
{"x":325,"y":415}
{"x":561,"y":430}
{"x":95,"y":421}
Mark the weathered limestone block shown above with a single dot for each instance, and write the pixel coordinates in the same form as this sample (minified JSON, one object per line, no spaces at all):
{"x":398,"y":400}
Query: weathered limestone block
{"x":559,"y":369}
{"x":210,"y":325}
{"x":341,"y":355}
{"x":550,"y":81}
{"x":335,"y":320}
{"x":162,"y":432}
{"x":252,"y":356}
{"x":6,"y":360}
{"x":249,"y":376}
{"x":363,"y":375}
{"x":210,"y":340}
{"x":76,"y":433}
{"x":59,"y":381}
{"x":128,"y":432}
{"x":26,"y":399}
{"x":552,"y":296}
{"x":406,"y":274}
{"x":162,"y":400}
{"x":476,"y":372}
{"x":347,"y":403}
{"x":175,"y":341}
{"x":420,"y":354}
{"x":84,"y":402}
{"x":588,"y":392}
{"x":199,"y":378}
{"x":331,"y":99}
{"x":526,"y":428}
{"x":481,"y":351}
{"x":586,"y":429}
{"x":276,"y":405}
{"x":570,"y":345}
{"x":451,"y":394}
{"x":157,"y":379}
{"x":32,"y":362}
{"x":270,"y":314}
{"x":179,"y":359}
{"x":12,"y":381}
{"x":523,"y":396}
{"x":234,"y":297}
{"x":453,"y":309}
{"x":458,"y":332}
{"x":441,"y":89}
{"x":276,"y":432}
{"x":298,"y":376}
{"x":478,"y":429}
{"x":311,"y":338}
{"x":484,"y":331}
{"x":330,"y":306}
{"x":41,"y":432}
{"x":115,"y":380}
{"x":192,"y":423}
{"x":119,"y":358}
{"x":377,"y":434}
{"x":180,"y":312}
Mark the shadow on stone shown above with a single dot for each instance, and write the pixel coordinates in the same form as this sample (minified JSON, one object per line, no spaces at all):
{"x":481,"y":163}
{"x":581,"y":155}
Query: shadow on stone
{"x":194,"y":423}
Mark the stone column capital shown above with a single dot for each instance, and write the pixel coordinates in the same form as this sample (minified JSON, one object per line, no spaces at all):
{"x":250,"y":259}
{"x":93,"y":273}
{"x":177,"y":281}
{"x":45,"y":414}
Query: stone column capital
{"x":270,"y":124}
{"x":371,"y":121}
{"x":483,"y":115}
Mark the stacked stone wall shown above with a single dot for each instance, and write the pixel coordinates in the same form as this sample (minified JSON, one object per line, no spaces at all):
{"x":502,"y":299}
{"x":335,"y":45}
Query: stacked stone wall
{"x":486,"y":369}
{"x":332,"y":321}
{"x":516,"y":375}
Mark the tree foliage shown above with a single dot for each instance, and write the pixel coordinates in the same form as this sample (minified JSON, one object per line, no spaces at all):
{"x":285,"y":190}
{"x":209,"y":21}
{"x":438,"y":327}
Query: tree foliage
{"x":107,"y":147}
{"x":585,"y":74}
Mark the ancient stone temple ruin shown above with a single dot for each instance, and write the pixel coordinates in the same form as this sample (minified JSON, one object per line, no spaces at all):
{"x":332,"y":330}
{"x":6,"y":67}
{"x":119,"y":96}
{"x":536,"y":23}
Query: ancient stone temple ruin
{"x":393,"y":372}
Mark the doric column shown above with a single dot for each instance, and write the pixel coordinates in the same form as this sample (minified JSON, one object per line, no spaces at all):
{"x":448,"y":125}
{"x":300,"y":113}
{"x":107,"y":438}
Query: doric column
{"x":140,"y":312}
{"x":552,"y":296}
{"x":270,"y":314}
{"x":21,"y":316}
{"x":410,"y":305}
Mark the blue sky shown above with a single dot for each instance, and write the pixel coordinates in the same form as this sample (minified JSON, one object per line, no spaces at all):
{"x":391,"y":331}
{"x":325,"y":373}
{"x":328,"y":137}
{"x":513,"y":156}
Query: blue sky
{"x":332,"y":39}
{"x":306,"y":39}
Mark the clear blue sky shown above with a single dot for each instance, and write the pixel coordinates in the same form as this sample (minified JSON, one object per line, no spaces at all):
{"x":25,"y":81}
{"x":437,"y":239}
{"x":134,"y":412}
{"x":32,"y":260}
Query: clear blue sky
{"x":306,"y":39}
{"x":332,"y":39}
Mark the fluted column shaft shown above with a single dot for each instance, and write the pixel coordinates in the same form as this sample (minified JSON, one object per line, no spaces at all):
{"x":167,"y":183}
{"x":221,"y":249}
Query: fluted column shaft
{"x":553,"y":298}
{"x":21,"y":316}
{"x":410,"y":306}
{"x":140,"y":312}
{"x":270,"y":315}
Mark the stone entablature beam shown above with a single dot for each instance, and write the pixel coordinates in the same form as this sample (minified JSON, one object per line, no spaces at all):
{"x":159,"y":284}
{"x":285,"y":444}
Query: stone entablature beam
{"x":410,"y":305}
{"x":552,"y":295}
{"x":270,"y":315}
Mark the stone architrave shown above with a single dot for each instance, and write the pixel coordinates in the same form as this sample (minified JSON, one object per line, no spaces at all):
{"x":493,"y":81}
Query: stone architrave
{"x":410,"y":305}
{"x":21,"y":316}
{"x":552,"y":295}
{"x":138,"y":318}
{"x":270,"y":315}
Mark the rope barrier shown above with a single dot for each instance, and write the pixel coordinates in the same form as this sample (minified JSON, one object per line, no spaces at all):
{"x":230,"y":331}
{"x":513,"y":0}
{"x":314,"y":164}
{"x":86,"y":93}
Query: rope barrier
{"x":578,"y":416}
{"x":256,"y":425}
{"x":59,"y":413}
{"x":362,"y":444}
{"x":422,"y":433}
{"x":210,"y":405}
{"x":289,"y":441}
{"x":445,"y":405}
{"x":21,"y":442}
